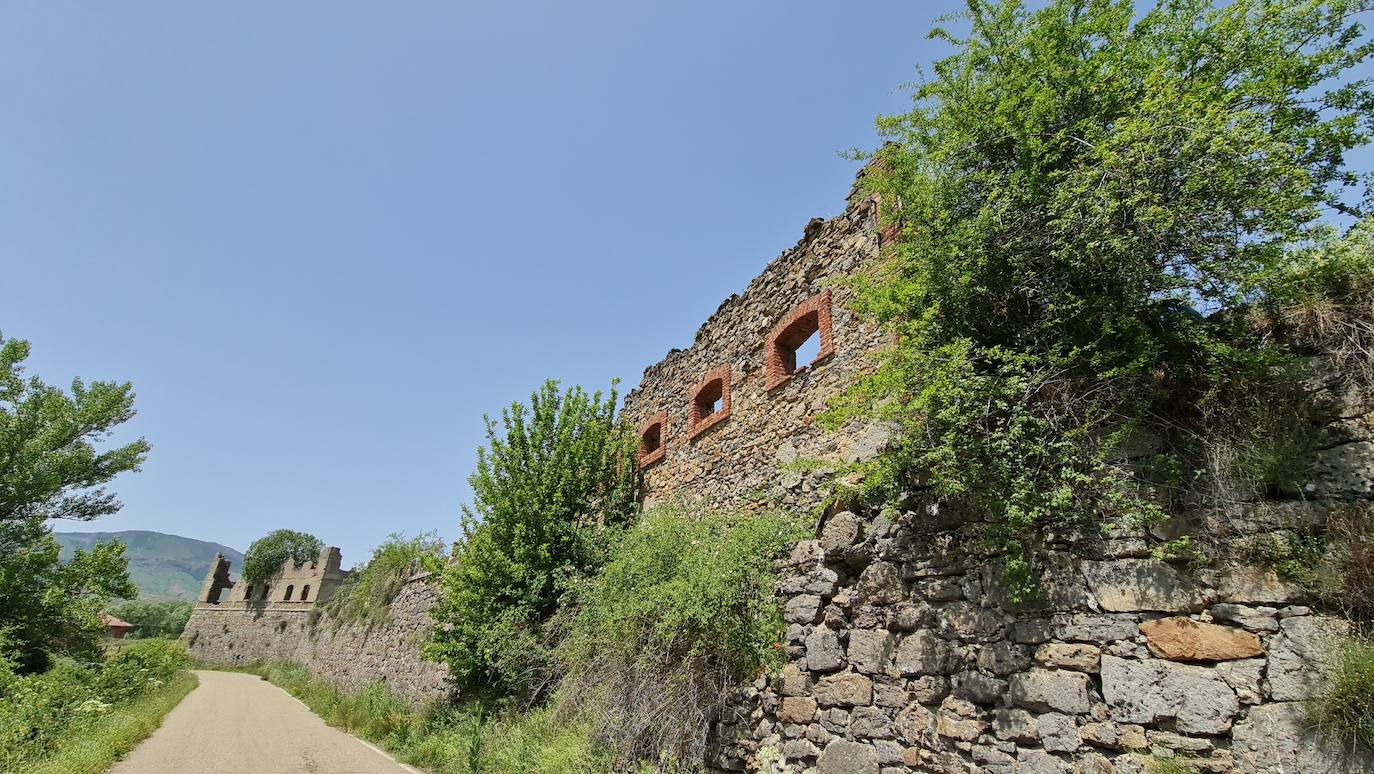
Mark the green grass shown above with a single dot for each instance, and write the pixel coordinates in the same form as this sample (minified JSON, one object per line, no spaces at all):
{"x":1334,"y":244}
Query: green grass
{"x":1345,"y":709}
{"x":96,"y":747}
{"x":446,"y":739}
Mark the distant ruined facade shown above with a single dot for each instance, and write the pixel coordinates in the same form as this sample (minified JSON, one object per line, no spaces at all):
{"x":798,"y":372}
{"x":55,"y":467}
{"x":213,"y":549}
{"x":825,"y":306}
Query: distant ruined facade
{"x":903,"y":652}
{"x":286,"y":619}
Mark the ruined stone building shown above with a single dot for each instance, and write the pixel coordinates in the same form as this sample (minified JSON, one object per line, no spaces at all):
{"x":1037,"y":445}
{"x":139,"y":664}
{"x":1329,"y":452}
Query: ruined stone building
{"x":903,"y":652}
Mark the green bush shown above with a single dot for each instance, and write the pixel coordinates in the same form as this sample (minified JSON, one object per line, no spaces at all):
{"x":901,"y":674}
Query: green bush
{"x":40,"y":713}
{"x":684,"y":611}
{"x":267,"y":554}
{"x":553,"y":485}
{"x":367,"y":594}
{"x":139,"y":667}
{"x":1345,"y":708}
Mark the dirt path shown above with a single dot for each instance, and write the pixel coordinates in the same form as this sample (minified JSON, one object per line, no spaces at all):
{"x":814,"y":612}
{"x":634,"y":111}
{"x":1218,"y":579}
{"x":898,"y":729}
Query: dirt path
{"x":242,"y":723}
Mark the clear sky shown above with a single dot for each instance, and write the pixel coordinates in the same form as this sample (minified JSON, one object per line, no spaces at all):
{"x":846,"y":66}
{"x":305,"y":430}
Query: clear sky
{"x":322,"y":238}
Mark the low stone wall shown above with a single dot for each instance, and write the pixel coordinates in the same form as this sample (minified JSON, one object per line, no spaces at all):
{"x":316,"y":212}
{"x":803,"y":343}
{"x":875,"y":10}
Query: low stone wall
{"x":350,"y":655}
{"x":904,"y":655}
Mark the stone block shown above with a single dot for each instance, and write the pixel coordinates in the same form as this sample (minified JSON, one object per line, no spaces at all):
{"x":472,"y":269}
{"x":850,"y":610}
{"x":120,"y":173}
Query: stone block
{"x":1277,"y":738}
{"x":1182,"y":639}
{"x":1196,"y":698}
{"x":797,"y":709}
{"x":869,"y":650}
{"x":1076,"y":656}
{"x":1051,"y":691}
{"x":1129,"y":585}
{"x":842,"y":756}
{"x":1299,"y":652}
{"x":870,"y":723}
{"x":923,"y":653}
{"x":844,"y":690}
{"x":1058,"y":732}
{"x":823,"y":652}
{"x":802,"y":609}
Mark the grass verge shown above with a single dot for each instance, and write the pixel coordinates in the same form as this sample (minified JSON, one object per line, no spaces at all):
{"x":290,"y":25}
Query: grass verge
{"x":113,"y":736}
{"x":446,"y":739}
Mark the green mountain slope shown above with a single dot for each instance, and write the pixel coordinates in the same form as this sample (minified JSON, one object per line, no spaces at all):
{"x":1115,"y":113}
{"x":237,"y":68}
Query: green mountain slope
{"x":161,"y":566}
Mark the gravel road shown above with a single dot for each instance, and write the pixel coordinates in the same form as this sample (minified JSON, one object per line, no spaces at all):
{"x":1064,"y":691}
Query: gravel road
{"x":242,"y":723}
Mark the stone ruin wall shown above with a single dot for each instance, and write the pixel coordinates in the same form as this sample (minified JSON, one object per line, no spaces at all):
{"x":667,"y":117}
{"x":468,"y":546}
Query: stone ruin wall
{"x":241,"y":629}
{"x":739,"y":458}
{"x":902,"y":652}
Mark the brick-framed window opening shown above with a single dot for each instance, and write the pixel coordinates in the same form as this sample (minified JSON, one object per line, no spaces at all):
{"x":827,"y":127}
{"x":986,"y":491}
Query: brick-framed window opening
{"x":653,"y":436}
{"x":810,"y":317}
{"x":710,"y":393}
{"x":305,"y":593}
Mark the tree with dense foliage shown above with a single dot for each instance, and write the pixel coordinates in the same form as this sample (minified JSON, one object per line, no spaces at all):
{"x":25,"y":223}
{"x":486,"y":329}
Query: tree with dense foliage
{"x":51,"y":468}
{"x":1085,"y":198}
{"x":555,"y":480}
{"x":267,"y":554}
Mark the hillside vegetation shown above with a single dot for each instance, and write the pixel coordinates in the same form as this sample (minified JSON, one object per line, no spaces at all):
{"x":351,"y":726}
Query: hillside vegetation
{"x":161,"y":566}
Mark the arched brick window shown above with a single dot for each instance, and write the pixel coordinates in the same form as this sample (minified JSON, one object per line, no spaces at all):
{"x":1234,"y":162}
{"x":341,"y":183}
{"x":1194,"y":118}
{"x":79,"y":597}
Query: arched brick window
{"x":810,"y":319}
{"x":710,"y":401}
{"x":266,"y":589}
{"x":305,"y":593}
{"x":289,"y":591}
{"x":653,"y":437}
{"x":248,"y":592}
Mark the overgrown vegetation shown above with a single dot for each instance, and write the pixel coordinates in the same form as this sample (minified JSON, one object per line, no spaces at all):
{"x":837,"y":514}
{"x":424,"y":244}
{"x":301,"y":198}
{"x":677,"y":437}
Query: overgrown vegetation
{"x":365,"y":596}
{"x":267,"y":554}
{"x":467,"y":739}
{"x":1345,"y":708}
{"x":153,"y":619}
{"x":684,"y":613}
{"x":79,"y":717}
{"x":1090,"y":201}
{"x":554,"y":484}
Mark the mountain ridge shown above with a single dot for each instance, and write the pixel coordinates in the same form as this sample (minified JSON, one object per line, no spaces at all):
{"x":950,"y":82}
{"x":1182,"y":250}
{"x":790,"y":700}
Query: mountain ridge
{"x":163,"y":566}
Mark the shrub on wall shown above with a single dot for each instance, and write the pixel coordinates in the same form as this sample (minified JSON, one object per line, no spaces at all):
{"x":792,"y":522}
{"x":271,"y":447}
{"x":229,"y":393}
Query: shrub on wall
{"x":1070,"y":185}
{"x":684,"y":612}
{"x":366,"y":595}
{"x":267,"y":554}
{"x":555,"y":480}
{"x":1345,"y":708}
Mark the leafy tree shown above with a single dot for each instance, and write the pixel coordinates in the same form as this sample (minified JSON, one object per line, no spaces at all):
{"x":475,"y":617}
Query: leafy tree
{"x":553,"y":483}
{"x":153,"y":619}
{"x":51,"y":468}
{"x":51,"y":607}
{"x":267,"y":554}
{"x":1070,"y":184}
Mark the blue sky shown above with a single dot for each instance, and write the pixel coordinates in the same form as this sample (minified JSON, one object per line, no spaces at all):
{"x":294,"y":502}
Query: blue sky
{"x":321,"y":239}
